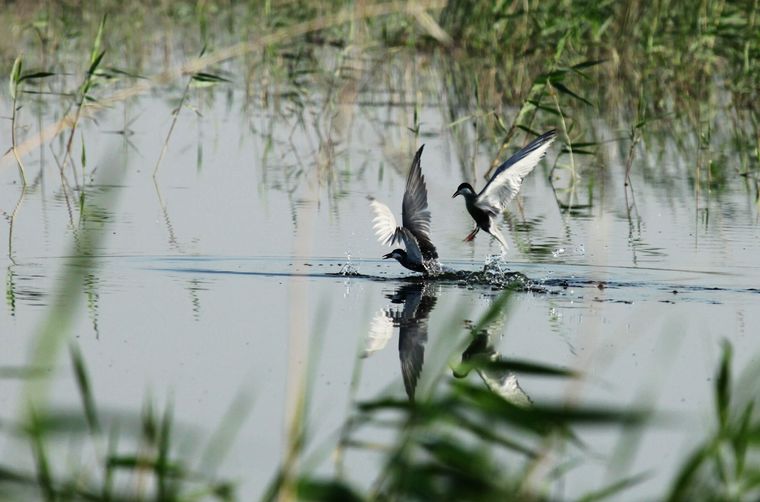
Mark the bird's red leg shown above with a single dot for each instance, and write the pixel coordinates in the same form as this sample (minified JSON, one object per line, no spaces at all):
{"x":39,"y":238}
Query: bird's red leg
{"x":472,"y":234}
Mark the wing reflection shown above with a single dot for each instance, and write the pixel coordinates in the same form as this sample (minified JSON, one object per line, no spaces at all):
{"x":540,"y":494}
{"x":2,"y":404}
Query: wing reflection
{"x":418,"y":300}
{"x":500,"y":380}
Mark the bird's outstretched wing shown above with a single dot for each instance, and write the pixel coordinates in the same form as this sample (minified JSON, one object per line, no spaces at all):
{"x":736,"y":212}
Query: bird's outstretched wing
{"x":384,"y":223}
{"x":380,"y":331}
{"x":413,"y":332}
{"x":411,"y":350}
{"x":415,"y":215}
{"x":506,"y":181}
{"x":388,"y":232}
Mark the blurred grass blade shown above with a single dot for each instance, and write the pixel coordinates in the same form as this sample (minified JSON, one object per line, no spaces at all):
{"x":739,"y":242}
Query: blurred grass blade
{"x":85,"y":389}
{"x":22,"y":372}
{"x":35,"y":75}
{"x":14,"y":77}
{"x":683,"y":482}
{"x":223,"y":438}
{"x":493,"y":312}
{"x":723,"y":386}
{"x":162,"y":465}
{"x":615,"y":488}
{"x":95,"y":63}
{"x":96,"y":54}
{"x":319,"y":490}
{"x":125,"y":73}
{"x":483,"y":361}
{"x":564,"y":89}
{"x":588,"y":64}
{"x":209,"y":77}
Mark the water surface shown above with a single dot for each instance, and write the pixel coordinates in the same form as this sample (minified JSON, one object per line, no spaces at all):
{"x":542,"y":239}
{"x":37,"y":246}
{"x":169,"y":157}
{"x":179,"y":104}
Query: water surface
{"x":224,"y":274}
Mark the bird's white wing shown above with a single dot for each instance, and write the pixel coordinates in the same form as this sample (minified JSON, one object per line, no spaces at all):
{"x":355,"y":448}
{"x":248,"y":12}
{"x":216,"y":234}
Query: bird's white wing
{"x":380,"y":331}
{"x":506,"y":181}
{"x":384,"y":223}
{"x":505,"y":384}
{"x":388,"y":232}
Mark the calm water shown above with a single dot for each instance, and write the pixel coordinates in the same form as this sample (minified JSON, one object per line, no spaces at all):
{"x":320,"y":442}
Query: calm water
{"x":223,"y":276}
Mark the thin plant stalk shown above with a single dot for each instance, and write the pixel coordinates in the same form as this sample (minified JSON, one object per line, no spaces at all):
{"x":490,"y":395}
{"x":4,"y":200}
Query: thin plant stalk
{"x":14,"y":115}
{"x":67,"y":153}
{"x":171,"y":127}
{"x":635,"y":138}
{"x":573,"y":174}
{"x":12,"y":222}
{"x":96,"y":56}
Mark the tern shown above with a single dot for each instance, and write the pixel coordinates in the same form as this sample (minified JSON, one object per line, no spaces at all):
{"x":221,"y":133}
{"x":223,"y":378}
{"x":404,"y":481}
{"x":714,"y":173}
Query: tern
{"x":487,"y":205}
{"x":420,"y":254}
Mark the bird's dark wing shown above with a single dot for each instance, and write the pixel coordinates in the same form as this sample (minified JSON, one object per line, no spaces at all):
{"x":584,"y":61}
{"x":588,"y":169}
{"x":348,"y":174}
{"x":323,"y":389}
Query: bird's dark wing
{"x":426,"y":304}
{"x":411,"y":350}
{"x":415,"y":215}
{"x":411,"y":295}
{"x":506,"y":181}
{"x":411,"y":244}
{"x":413,"y":332}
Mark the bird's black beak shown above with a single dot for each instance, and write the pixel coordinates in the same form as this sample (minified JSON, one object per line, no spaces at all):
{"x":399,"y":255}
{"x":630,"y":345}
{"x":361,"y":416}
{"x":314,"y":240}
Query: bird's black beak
{"x":455,"y":194}
{"x":386,"y":256}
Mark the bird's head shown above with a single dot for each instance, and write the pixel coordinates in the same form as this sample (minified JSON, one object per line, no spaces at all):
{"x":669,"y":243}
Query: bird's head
{"x":464,"y":189}
{"x":398,"y":254}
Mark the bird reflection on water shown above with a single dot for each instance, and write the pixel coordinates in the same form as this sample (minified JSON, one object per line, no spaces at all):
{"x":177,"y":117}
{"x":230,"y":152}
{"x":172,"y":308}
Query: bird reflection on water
{"x":501,"y":381}
{"x":417,"y":300}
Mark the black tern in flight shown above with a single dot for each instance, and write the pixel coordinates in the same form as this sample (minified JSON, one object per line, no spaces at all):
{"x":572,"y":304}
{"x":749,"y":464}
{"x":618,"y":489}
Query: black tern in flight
{"x":420,"y":254}
{"x":486,"y":206}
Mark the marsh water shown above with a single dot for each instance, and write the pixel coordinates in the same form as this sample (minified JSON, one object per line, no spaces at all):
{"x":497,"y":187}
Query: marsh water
{"x":249,"y":265}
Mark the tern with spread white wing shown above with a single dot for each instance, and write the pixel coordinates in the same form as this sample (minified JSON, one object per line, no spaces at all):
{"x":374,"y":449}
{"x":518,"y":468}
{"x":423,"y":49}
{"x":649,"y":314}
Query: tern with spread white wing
{"x":487,"y":205}
{"x":420,"y":254}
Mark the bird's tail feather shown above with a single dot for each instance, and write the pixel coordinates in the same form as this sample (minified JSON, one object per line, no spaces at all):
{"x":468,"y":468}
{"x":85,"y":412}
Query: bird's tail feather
{"x":499,"y":237}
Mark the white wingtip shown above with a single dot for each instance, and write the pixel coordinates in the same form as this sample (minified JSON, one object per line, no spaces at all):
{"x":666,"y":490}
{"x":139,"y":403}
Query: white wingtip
{"x":384,"y":223}
{"x":380,"y":331}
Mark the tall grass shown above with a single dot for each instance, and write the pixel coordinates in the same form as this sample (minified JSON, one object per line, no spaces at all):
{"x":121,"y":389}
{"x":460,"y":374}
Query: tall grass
{"x":538,"y":57}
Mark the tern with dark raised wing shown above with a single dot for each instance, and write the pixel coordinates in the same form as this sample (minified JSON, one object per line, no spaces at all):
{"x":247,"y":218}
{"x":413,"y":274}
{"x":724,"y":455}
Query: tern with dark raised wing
{"x":420,"y":254}
{"x":487,"y":205}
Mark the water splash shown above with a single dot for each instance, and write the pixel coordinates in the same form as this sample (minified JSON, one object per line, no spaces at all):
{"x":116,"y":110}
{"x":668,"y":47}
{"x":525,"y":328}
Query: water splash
{"x":496,"y":273}
{"x":578,"y":250}
{"x":495,"y":267}
{"x":434,"y":267}
{"x":348,"y":269}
